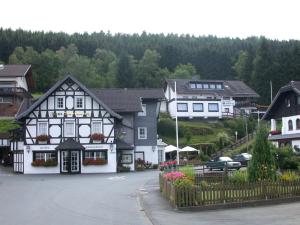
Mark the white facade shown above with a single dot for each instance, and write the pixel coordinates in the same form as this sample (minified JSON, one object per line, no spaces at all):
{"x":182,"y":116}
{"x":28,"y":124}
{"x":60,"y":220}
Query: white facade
{"x":150,"y":153}
{"x":225,"y":107}
{"x":68,"y":112}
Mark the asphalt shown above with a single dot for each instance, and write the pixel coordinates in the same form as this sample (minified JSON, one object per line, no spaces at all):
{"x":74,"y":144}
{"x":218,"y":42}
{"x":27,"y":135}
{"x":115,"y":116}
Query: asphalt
{"x":114,"y":199}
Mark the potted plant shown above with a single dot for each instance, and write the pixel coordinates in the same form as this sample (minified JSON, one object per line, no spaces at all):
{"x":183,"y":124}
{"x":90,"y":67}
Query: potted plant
{"x":43,"y":139}
{"x":94,"y":162}
{"x":97,"y":137}
{"x":139,"y":164}
{"x":43,"y":163}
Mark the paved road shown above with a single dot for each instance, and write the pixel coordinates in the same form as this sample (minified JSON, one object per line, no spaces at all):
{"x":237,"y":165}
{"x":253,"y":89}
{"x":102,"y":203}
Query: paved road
{"x":72,"y":200}
{"x":115,"y":199}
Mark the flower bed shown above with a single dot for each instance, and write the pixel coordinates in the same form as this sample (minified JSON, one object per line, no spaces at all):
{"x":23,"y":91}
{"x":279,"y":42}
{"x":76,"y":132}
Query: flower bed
{"x":275,"y":132}
{"x":43,"y":163}
{"x":166,"y":166}
{"x":183,"y":193}
{"x":94,"y":162}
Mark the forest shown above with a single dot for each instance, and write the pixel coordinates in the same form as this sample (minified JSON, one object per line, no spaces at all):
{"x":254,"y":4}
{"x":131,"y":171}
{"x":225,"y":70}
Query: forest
{"x":146,"y":60}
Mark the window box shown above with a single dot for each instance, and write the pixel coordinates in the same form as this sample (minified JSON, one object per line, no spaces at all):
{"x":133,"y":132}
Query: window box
{"x":139,"y":164}
{"x":94,"y":162}
{"x":43,"y":163}
{"x":97,"y":137}
{"x":43,"y":139}
{"x":275,"y":132}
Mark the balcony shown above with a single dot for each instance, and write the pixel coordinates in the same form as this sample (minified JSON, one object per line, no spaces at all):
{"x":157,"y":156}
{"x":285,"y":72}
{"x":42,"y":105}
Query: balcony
{"x":11,"y":90}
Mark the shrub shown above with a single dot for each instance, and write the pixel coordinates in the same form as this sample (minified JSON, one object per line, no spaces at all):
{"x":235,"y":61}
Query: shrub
{"x":166,"y":127}
{"x":203,"y":184}
{"x":289,"y":176}
{"x":203,"y":157}
{"x":239,"y":177}
{"x":223,"y":139}
{"x":285,"y":158}
{"x":262,"y":165}
{"x":183,"y":182}
{"x":188,"y":171}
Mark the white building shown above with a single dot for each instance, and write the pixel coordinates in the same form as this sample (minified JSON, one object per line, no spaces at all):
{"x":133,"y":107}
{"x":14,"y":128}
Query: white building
{"x":72,"y":129}
{"x":207,"y":98}
{"x":284,"y":114}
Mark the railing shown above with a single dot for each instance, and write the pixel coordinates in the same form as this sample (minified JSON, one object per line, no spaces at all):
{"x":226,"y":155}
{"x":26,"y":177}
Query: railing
{"x":227,"y":193}
{"x":11,"y":90}
{"x":236,"y":144}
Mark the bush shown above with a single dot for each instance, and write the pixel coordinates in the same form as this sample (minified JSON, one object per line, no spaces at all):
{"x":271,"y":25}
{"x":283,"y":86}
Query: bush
{"x":183,"y":182}
{"x":172,"y":176}
{"x":203,"y":157}
{"x":166,"y":127}
{"x":262,"y":165}
{"x":203,"y":184}
{"x":223,"y":139}
{"x":188,"y":171}
{"x":285,"y":158}
{"x":239,"y":177}
{"x":289,"y":176}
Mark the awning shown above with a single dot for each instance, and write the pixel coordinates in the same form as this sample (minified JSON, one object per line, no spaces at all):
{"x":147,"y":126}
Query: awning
{"x":189,"y":149}
{"x":70,"y":144}
{"x":170,"y":148}
{"x":122,"y":145}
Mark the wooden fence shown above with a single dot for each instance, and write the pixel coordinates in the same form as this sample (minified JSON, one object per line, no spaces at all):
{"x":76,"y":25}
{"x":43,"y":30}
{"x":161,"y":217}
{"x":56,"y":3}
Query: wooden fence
{"x":227,"y":193}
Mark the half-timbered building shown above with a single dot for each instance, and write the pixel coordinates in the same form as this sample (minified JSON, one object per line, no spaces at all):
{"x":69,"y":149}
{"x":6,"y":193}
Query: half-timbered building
{"x":284,"y":115}
{"x":72,"y":129}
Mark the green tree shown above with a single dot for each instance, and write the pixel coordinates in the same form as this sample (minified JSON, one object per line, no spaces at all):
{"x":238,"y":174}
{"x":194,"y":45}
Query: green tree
{"x":185,"y":71}
{"x":125,"y":74}
{"x":244,"y":65}
{"x":262,"y":165}
{"x":223,"y":139}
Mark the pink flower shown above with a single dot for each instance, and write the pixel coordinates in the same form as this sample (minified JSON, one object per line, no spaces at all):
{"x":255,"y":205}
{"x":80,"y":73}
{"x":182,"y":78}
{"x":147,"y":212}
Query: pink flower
{"x":172,"y":176}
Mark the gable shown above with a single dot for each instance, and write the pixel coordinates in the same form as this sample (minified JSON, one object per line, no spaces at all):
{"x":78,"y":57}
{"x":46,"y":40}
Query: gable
{"x":68,"y":89}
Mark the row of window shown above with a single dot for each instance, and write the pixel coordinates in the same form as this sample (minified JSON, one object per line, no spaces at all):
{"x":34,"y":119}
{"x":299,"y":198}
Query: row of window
{"x":198,"y":107}
{"x":206,"y":86}
{"x":288,"y":101}
{"x":291,"y":126}
{"x":69,"y":128}
{"x":60,"y":102}
{"x":45,"y":156}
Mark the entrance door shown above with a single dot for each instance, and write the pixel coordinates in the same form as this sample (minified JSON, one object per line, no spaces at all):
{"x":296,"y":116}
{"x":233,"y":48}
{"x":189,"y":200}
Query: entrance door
{"x":70,"y":161}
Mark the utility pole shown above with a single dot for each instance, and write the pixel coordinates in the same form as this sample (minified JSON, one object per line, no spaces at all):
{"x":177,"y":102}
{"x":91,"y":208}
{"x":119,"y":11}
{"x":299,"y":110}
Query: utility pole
{"x":271,"y":87}
{"x":176,"y":121}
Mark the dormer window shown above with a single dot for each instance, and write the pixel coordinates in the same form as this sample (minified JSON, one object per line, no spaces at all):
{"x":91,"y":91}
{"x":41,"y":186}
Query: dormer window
{"x":212,"y":86}
{"x":219,"y":86}
{"x":199,"y":86}
{"x":205,"y":86}
{"x":193,"y":85}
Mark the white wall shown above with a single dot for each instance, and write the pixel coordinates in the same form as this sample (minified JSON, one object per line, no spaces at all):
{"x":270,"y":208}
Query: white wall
{"x":190,"y":113}
{"x":149,"y":154}
{"x":285,"y":127}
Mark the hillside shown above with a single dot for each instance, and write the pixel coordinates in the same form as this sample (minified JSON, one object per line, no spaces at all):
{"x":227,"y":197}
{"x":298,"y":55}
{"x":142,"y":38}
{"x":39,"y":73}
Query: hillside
{"x":204,"y":135}
{"x":145,"y":60}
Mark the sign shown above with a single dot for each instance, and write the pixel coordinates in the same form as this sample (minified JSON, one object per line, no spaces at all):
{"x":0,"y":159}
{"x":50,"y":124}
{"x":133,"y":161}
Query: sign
{"x":97,"y":147}
{"x":228,"y":103}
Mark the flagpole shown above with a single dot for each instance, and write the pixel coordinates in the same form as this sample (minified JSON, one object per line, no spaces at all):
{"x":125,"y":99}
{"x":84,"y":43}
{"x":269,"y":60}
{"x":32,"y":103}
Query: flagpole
{"x":176,"y":121}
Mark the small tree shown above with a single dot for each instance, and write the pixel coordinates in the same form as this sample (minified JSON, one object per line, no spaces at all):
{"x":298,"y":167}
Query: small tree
{"x":262,"y":165}
{"x":223,"y":139}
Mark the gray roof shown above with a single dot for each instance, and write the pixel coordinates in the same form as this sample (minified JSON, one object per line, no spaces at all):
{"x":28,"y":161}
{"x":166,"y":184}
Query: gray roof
{"x":232,"y":88}
{"x":127,"y":100}
{"x":122,"y":145}
{"x":283,"y":136}
{"x":69,"y":144}
{"x":54,"y":87}
{"x":291,"y":86}
{"x":14,"y":70}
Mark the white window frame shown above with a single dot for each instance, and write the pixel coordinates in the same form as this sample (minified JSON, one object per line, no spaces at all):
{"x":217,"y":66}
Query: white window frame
{"x":144,"y":112}
{"x":38,"y":128}
{"x":210,"y":104}
{"x":76,"y":98}
{"x":198,"y":103}
{"x":144,"y":137}
{"x":65,"y":130}
{"x":56,"y":102}
{"x":93,"y":127}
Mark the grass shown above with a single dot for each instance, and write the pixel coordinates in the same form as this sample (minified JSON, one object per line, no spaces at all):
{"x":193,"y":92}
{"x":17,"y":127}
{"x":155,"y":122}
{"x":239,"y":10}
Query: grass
{"x":240,"y":149}
{"x":7,"y":125}
{"x":37,"y":95}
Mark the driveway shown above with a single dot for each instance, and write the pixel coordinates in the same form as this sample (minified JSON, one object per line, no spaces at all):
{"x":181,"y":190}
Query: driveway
{"x":114,"y":199}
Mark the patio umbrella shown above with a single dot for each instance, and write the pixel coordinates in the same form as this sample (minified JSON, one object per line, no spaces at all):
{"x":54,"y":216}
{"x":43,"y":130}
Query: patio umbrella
{"x":170,"y":148}
{"x":188,"y":149}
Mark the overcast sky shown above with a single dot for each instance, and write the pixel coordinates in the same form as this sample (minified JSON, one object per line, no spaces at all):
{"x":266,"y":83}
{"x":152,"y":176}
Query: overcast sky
{"x":276,"y":19}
